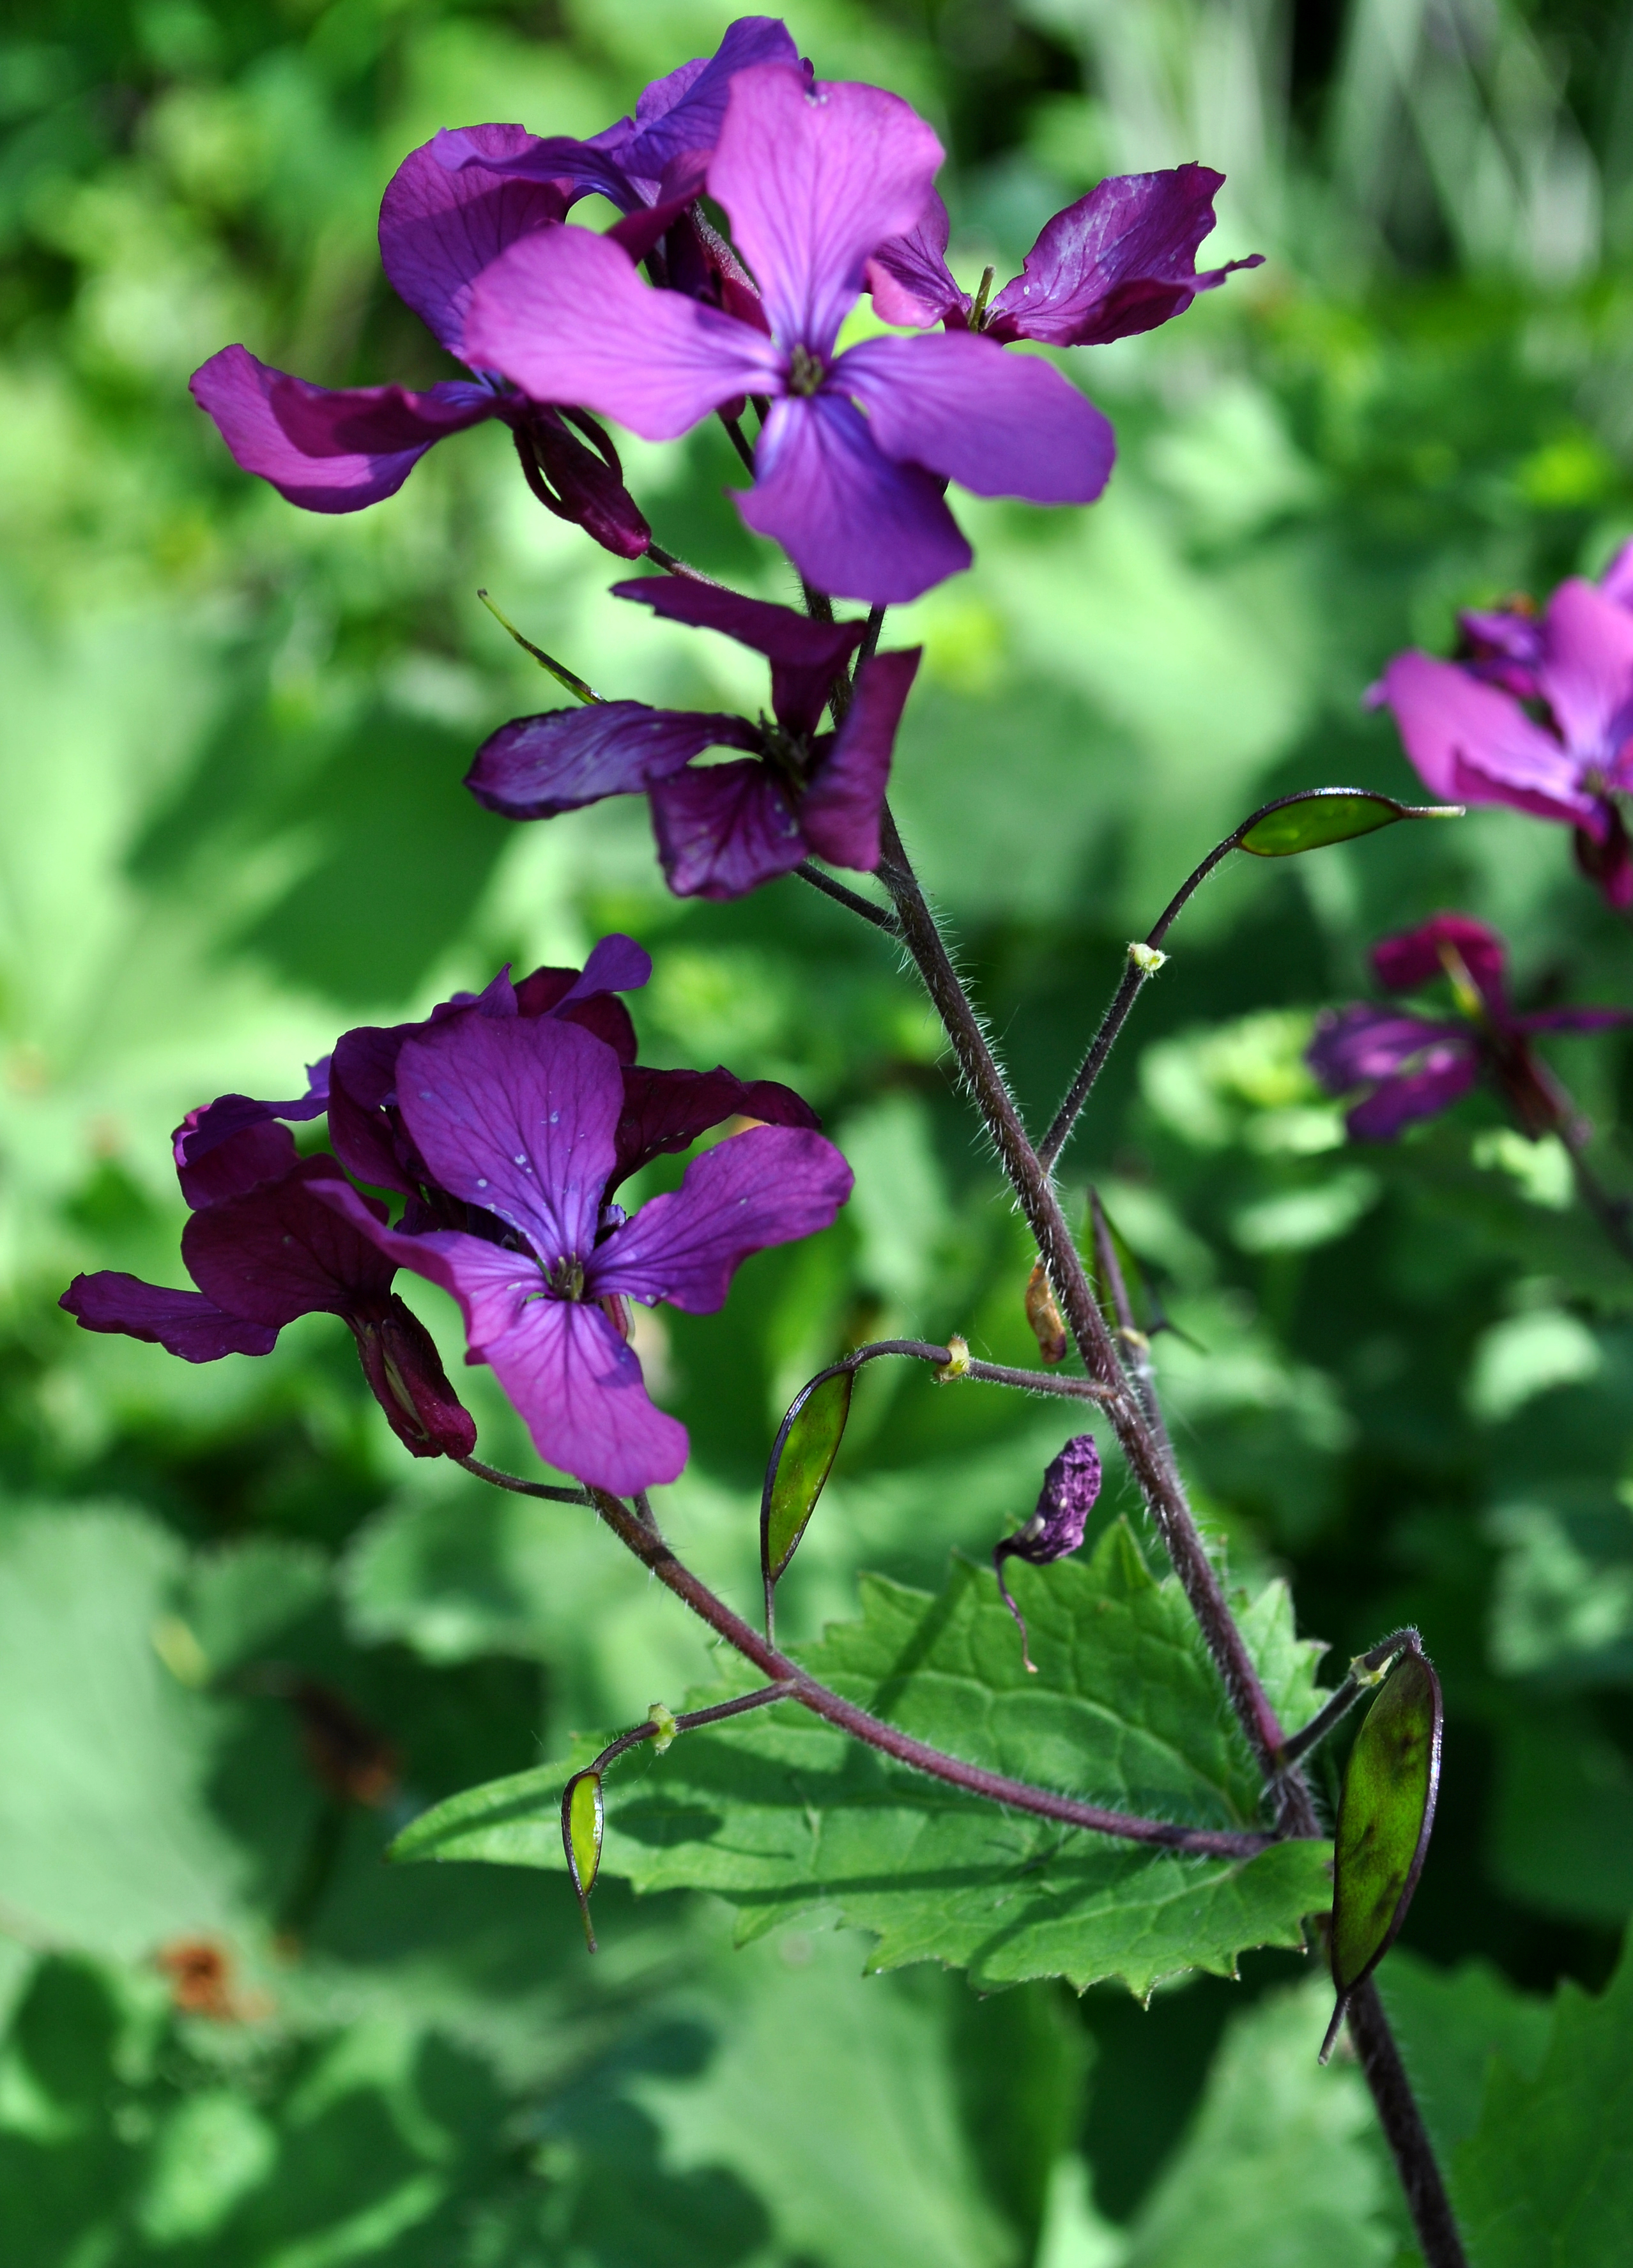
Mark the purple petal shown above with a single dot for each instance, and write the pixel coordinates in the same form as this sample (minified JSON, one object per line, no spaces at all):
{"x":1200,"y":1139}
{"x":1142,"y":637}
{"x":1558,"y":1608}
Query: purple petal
{"x":724,"y":829}
{"x":664,"y":1111}
{"x":573,"y":169}
{"x":1586,"y":671}
{"x":263,"y":1152}
{"x":184,"y":1324}
{"x":536,"y":767}
{"x":804,"y":655}
{"x":839,"y":813}
{"x":200,"y":1131}
{"x":516,"y":1117}
{"x":1121,"y":260}
{"x":616,"y":964}
{"x":765,"y":1187}
{"x":1412,"y":958}
{"x":1000,"y":424}
{"x":1444,"y":1078}
{"x":579,"y":1388}
{"x":1364,"y":1042}
{"x":814,"y":181}
{"x":280,"y":1252}
{"x":565,"y":316}
{"x":1574,"y":1020}
{"x":328,"y":451}
{"x":854,"y":522}
{"x":439,"y":229}
{"x":1470,"y":742}
{"x":678,"y":118}
{"x":568,"y":1372}
{"x":910,"y":279}
{"x":1504,"y":647}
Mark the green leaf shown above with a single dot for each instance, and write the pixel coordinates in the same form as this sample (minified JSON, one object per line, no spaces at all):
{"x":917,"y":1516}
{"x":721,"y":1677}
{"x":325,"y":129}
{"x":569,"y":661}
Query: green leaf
{"x":1277,"y":2167}
{"x":1546,"y":2179}
{"x":1449,"y":2023}
{"x":780,"y":1813}
{"x":1384,"y":1818}
{"x":801,"y":1460}
{"x":1329,"y":815}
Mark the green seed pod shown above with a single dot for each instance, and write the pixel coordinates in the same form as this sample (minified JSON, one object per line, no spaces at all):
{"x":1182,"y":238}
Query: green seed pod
{"x":802,"y":1458}
{"x":1385,"y":1817}
{"x":583,"y":1819}
{"x":1310,"y":821}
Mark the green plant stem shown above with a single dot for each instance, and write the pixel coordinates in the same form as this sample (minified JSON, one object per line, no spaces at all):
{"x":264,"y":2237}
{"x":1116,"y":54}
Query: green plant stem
{"x":852,"y":900}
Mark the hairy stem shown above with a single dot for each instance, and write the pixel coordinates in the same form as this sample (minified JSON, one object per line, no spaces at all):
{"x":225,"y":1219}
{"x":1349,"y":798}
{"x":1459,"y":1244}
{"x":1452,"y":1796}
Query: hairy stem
{"x":1404,"y":2129}
{"x":1159,"y":1483}
{"x":972,"y":1779}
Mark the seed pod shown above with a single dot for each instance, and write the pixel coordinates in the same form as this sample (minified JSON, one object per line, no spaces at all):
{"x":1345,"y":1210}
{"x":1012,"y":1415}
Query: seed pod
{"x":583,"y":1819}
{"x":1048,"y":1326}
{"x":1067,"y":1498}
{"x":802,"y":1457}
{"x":1385,"y":1817}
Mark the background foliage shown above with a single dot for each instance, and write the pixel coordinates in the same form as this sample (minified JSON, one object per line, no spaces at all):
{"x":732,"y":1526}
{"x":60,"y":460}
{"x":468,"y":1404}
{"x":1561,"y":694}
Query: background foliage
{"x":232,"y":823}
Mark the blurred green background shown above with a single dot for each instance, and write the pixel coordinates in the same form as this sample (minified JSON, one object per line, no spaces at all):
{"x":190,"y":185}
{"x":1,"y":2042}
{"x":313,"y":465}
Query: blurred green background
{"x":231,"y":824}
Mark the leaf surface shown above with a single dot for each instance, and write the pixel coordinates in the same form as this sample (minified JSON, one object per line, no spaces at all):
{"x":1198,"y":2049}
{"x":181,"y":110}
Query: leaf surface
{"x":780,"y":1815}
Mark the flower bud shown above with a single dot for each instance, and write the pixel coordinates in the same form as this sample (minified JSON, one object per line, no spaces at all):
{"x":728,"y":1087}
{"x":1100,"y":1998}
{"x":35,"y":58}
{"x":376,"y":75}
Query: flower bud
{"x":1069,"y":1488}
{"x":403,"y":1368}
{"x":587,"y":483}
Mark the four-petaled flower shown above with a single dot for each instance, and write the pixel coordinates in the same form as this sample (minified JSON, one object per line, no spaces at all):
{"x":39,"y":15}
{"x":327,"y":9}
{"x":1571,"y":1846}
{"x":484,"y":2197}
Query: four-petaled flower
{"x":1121,"y":260}
{"x":721,"y":828}
{"x":1475,"y":741}
{"x":1417,"y":1067}
{"x":518,"y":1118}
{"x":850,"y":463}
{"x":264,"y":1248}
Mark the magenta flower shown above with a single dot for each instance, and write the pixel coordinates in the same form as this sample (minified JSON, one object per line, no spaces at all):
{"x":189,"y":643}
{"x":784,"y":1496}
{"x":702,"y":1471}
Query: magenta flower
{"x":518,"y":1118}
{"x":721,"y":828}
{"x":1503,"y":646}
{"x":337,"y":450}
{"x":1475,"y":743}
{"x":1121,"y":260}
{"x":263,"y":1250}
{"x":1417,"y":1067}
{"x":850,"y":462}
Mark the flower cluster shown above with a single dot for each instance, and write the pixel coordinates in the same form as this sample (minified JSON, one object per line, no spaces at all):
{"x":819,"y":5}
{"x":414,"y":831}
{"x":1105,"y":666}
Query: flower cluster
{"x":829,"y":189}
{"x":507,"y":1122}
{"x":721,"y":828}
{"x":1537,"y":714}
{"x":1416,"y":1066}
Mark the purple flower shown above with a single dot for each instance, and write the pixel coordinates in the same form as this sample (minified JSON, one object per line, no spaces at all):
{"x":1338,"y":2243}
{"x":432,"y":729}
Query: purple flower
{"x":333,"y":450}
{"x":518,"y":1118}
{"x":1071,"y":1486}
{"x":1503,"y":646}
{"x":1475,"y":743}
{"x":264,"y":1248}
{"x":721,"y":828}
{"x":850,"y":462}
{"x":1121,"y":260}
{"x":1417,"y":1067}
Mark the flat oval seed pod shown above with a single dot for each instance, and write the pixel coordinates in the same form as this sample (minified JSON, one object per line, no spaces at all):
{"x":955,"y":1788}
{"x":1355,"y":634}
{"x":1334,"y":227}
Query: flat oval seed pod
{"x":1384,"y":1816}
{"x":1330,"y":815}
{"x":802,"y":1458}
{"x":583,"y":1819}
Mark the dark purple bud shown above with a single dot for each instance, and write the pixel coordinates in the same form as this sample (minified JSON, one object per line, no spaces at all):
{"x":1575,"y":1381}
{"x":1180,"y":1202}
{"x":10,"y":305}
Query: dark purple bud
{"x":585,"y":484}
{"x":1608,"y":864}
{"x":401,"y":1364}
{"x":1067,"y":1498}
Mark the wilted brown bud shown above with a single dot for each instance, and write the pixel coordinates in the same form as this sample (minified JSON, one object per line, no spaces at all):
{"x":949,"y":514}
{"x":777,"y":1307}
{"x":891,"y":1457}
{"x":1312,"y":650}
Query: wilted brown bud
{"x":1048,"y":1328}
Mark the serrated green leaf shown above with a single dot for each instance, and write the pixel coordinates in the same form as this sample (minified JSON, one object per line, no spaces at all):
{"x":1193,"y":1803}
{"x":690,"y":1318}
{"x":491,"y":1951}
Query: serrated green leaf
{"x":810,"y":1436}
{"x":1546,"y":2179}
{"x":779,"y":1813}
{"x":1385,"y":1817}
{"x":1329,"y":815}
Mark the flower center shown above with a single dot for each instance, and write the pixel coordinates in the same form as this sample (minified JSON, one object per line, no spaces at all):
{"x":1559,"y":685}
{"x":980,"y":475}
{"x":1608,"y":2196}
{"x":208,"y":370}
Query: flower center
{"x":566,"y":1279}
{"x":805,"y":372}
